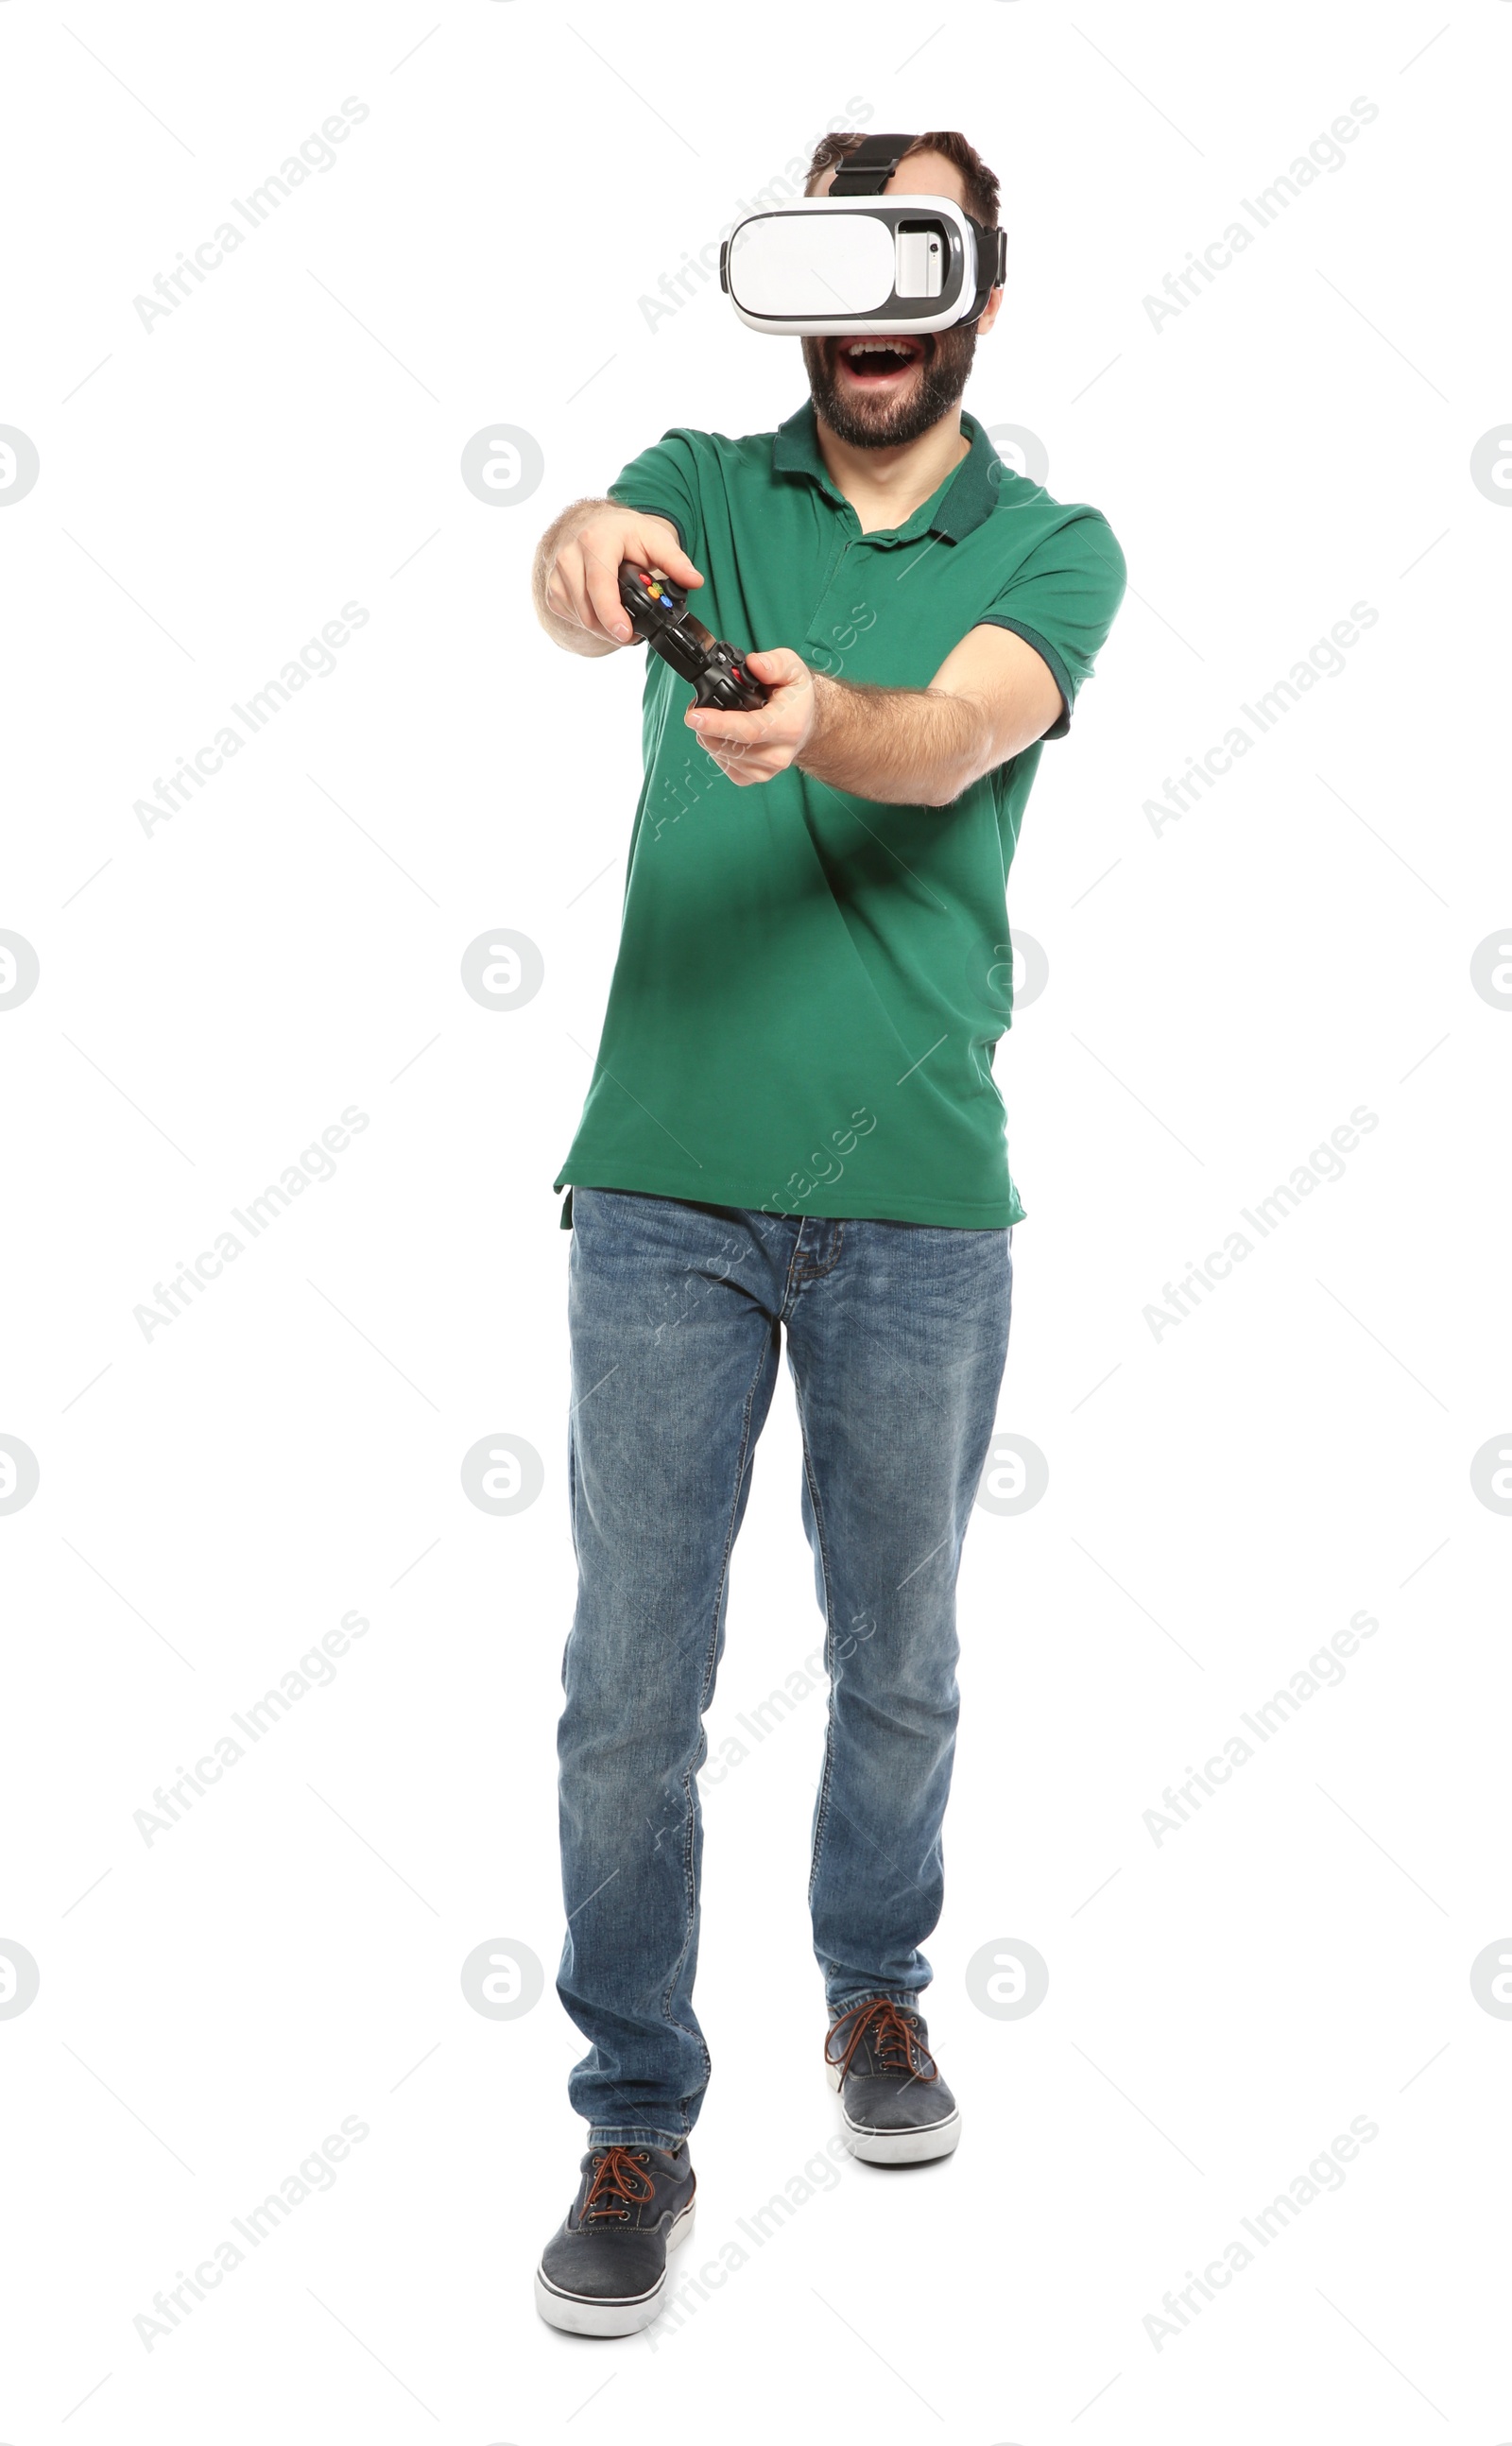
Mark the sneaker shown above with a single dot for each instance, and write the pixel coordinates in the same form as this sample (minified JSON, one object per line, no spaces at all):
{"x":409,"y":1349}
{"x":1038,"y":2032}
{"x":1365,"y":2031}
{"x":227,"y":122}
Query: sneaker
{"x":604,"y":2271}
{"x":894,"y":2108}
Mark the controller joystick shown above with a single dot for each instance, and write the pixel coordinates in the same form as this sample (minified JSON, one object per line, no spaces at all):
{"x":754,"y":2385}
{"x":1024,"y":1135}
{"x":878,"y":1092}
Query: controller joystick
{"x":658,"y":611}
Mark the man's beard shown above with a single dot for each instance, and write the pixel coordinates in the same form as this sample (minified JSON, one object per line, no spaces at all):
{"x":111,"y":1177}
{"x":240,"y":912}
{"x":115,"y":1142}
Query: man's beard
{"x":885,"y":425}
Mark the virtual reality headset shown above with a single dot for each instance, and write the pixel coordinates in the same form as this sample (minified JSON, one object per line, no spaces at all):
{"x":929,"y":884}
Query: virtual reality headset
{"x":854,"y":260}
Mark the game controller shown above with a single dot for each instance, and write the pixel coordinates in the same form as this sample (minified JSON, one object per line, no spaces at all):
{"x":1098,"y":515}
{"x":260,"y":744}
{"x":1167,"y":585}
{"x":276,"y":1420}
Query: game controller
{"x":659,"y":612}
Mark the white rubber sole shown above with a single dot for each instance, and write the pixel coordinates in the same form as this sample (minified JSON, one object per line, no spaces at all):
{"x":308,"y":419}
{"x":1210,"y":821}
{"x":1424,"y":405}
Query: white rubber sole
{"x":913,"y":2147}
{"x":581,"y":2315}
{"x":901,"y":2148}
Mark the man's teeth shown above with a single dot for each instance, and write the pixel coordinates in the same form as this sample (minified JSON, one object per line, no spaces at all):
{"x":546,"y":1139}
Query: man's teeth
{"x":879,"y":349}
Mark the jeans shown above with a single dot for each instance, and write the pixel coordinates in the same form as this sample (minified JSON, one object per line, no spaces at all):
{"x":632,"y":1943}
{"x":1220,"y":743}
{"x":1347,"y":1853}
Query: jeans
{"x":897,"y":1336}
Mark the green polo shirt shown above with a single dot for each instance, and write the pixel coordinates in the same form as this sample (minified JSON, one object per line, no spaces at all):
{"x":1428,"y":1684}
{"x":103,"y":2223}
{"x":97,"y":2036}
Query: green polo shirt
{"x":810,"y":986}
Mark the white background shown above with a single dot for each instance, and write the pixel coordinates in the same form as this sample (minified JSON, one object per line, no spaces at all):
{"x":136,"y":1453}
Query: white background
{"x":1221,"y":994}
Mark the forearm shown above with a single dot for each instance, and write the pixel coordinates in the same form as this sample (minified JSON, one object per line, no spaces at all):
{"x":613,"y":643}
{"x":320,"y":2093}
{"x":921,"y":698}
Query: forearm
{"x":991,"y":697}
{"x":901,"y":746}
{"x":567,"y":630}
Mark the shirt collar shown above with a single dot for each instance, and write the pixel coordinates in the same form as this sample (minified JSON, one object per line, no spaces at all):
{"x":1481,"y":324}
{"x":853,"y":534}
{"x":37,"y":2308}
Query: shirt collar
{"x":968,"y":497}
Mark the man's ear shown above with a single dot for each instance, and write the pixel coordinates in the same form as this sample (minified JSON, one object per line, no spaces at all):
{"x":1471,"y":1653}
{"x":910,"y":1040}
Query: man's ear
{"x":989,"y":314}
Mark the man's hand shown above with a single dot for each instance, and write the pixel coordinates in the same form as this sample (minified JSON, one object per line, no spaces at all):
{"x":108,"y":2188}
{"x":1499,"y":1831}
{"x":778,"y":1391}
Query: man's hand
{"x":753,"y":747}
{"x":991,"y":697}
{"x":576,"y":578}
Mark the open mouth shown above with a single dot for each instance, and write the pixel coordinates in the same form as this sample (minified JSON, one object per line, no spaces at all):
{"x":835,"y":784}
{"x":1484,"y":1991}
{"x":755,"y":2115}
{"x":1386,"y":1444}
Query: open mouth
{"x":873,"y":364}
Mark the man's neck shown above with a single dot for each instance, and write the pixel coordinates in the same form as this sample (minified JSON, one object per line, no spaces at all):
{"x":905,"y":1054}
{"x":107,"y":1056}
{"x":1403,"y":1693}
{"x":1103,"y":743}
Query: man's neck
{"x":885,"y":487}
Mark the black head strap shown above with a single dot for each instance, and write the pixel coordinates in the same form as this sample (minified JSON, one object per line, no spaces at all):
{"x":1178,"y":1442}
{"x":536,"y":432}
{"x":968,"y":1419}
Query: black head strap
{"x":867,"y":170}
{"x":991,"y":266}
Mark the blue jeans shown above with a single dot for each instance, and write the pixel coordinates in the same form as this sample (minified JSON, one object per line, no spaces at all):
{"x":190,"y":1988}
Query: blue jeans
{"x":897,"y":1337}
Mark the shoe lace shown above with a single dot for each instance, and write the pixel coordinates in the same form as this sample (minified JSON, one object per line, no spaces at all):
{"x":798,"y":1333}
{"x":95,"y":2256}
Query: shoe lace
{"x":896,"y":2047}
{"x":619,"y":2183}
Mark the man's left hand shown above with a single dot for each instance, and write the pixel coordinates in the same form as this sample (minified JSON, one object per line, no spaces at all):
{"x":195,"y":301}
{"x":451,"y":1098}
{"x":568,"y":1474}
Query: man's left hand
{"x":756,"y":746}
{"x":991,"y":697}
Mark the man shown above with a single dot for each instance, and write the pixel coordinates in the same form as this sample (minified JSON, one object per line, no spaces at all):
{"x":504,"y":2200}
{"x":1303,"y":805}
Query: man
{"x":793,"y":1123}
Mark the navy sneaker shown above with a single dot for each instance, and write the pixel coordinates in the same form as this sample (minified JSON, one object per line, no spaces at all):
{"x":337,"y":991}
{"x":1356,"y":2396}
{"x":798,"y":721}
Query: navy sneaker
{"x":604,"y":2271}
{"x":894,"y":2107}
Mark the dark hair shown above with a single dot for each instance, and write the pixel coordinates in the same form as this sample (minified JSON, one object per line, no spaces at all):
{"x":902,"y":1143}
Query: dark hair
{"x":980,"y":183}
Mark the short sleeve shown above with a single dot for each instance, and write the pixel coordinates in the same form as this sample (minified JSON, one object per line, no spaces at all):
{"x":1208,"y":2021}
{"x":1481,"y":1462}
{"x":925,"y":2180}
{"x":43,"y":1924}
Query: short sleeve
{"x":1061,"y":600}
{"x":665,"y":482}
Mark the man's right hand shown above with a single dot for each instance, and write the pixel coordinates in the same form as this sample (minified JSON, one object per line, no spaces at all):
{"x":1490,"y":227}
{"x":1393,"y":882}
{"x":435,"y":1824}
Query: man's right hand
{"x":577,"y":572}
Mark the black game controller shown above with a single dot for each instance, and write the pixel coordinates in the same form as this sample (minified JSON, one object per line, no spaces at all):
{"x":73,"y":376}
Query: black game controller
{"x":659,"y":612}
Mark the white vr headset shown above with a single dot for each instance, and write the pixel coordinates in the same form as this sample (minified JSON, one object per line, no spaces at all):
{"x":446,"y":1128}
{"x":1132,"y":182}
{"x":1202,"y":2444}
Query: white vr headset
{"x":853,"y":261}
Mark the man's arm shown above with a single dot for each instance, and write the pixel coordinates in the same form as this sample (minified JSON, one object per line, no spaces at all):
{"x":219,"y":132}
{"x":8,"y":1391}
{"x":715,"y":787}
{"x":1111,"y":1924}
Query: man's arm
{"x":576,"y":579}
{"x":992,"y":696}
